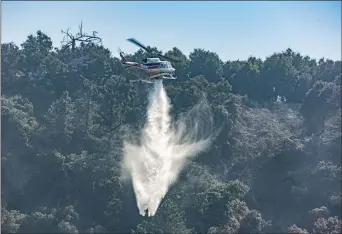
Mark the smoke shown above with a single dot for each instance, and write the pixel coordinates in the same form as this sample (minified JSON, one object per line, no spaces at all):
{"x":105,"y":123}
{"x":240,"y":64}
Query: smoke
{"x":164,"y":148}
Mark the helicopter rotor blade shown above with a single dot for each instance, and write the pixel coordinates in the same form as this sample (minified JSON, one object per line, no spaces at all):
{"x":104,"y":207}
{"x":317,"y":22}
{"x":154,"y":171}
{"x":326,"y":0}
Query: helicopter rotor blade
{"x":137,"y":43}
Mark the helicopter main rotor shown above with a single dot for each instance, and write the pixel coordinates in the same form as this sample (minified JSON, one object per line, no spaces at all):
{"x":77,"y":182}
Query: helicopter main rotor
{"x":137,"y":43}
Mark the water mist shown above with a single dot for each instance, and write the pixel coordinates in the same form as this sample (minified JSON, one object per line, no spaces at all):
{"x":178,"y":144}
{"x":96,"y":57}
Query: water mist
{"x":155,"y":162}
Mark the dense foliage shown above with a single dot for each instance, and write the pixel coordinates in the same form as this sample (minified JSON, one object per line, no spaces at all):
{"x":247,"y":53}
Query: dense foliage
{"x":275,"y":166}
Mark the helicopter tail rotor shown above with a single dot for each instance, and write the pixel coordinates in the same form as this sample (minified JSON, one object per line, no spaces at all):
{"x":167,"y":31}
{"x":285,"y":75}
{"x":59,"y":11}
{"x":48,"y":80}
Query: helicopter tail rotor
{"x":119,"y":50}
{"x":122,"y":55}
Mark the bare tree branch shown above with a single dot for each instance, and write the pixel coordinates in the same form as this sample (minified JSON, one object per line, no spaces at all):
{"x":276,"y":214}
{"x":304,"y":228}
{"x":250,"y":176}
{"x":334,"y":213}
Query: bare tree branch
{"x":70,"y":40}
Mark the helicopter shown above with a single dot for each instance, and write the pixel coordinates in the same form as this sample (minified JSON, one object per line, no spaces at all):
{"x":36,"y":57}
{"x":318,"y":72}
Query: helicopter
{"x":155,"y":68}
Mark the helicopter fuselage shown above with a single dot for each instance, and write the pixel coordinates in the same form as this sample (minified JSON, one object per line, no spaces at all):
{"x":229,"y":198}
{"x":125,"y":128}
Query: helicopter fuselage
{"x":153,"y":66}
{"x":157,"y":66}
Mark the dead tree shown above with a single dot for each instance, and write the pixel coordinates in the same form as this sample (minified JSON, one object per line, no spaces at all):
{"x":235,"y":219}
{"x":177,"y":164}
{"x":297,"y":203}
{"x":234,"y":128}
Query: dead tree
{"x":70,"y":40}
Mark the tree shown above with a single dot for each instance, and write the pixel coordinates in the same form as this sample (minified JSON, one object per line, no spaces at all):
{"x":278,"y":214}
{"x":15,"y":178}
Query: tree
{"x":34,"y":50}
{"x":205,"y":63}
{"x":276,"y":141}
{"x":323,"y":98}
{"x":70,"y":40}
{"x":11,"y":220}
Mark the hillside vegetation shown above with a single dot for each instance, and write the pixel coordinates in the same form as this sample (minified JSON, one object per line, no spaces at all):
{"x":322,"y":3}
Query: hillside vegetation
{"x":275,"y":166}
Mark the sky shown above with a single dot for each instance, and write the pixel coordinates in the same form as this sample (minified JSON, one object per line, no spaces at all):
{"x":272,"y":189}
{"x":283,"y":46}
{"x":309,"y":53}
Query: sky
{"x":234,"y":30}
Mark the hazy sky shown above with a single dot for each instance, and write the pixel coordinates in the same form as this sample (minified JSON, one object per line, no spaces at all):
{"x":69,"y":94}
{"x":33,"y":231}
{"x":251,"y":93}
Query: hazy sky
{"x":234,"y":30}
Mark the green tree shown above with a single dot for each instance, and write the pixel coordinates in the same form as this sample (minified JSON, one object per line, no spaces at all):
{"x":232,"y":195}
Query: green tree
{"x":205,"y":63}
{"x":321,"y":100}
{"x":65,"y":112}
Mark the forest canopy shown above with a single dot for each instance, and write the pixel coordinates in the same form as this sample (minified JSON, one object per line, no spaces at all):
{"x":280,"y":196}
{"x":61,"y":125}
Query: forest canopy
{"x":275,"y":166}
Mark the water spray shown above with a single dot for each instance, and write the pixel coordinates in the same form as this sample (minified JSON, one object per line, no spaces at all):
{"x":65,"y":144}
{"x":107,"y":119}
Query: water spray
{"x":154,"y":164}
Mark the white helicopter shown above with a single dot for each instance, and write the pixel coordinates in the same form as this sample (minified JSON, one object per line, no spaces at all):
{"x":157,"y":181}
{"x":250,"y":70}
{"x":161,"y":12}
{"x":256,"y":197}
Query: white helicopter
{"x":155,"y":68}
